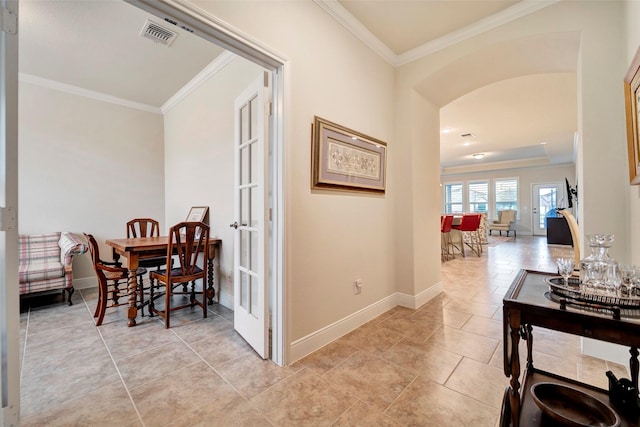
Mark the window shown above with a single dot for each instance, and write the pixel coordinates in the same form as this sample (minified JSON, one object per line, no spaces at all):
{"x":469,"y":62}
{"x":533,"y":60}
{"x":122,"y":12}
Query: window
{"x":478,"y":196}
{"x":506,"y":194}
{"x":453,"y":198}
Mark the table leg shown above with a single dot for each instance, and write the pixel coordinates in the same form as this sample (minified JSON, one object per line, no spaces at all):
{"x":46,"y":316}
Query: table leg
{"x":211,"y":291}
{"x":528,"y":331}
{"x":634,"y":366}
{"x":132,"y":310}
{"x":514,"y":397}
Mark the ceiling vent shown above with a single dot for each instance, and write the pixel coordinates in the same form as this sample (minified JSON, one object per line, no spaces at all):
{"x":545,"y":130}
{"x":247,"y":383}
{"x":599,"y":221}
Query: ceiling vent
{"x":467,"y":135}
{"x":158,"y":34}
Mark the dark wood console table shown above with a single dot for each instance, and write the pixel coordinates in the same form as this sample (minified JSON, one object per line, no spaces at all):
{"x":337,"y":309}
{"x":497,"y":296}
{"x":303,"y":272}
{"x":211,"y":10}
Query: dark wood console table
{"x":525,"y":306}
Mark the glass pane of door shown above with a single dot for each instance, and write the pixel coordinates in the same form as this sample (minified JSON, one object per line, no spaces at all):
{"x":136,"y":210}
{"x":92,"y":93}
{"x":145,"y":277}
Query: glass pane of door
{"x":547,"y":201}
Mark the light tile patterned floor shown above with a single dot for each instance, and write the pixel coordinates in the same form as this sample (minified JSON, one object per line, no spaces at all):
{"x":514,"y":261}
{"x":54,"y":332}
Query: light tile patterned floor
{"x":440,"y":365}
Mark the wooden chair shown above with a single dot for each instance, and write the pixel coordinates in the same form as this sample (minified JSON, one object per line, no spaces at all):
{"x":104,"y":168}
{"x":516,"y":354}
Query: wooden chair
{"x":186,"y":240}
{"x":112,"y":281}
{"x":145,"y":227}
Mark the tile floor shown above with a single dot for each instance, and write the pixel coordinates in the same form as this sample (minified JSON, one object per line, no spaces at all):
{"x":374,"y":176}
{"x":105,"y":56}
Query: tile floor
{"x":440,"y":365}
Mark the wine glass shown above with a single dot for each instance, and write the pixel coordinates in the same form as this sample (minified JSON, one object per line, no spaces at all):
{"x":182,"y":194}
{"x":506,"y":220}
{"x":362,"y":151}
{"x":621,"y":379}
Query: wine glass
{"x":565,"y":268}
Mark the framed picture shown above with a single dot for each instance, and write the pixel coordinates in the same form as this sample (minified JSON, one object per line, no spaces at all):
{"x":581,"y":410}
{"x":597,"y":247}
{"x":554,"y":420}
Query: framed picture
{"x":199,"y":214}
{"x":343,"y":159}
{"x":632,"y":99}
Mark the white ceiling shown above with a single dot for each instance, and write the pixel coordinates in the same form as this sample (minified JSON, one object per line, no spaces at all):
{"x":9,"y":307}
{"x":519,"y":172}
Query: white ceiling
{"x":95,"y":45}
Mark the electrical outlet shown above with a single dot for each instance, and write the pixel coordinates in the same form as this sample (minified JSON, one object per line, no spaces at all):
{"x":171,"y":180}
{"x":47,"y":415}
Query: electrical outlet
{"x":357,"y":286}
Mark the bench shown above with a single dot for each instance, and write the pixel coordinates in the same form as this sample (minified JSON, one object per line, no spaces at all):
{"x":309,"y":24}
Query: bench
{"x":45,"y":262}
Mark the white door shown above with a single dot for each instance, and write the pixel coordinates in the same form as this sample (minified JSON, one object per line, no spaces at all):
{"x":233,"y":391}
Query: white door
{"x":251,"y":216}
{"x":9,"y":299}
{"x":545,"y":199}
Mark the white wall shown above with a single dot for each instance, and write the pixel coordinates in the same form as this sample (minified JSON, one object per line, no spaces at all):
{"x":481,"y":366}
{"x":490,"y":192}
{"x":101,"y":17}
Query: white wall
{"x":633,"y":45}
{"x":86,"y":166}
{"x":331,"y":237}
{"x":199,"y":158}
{"x":600,"y":102}
{"x":526,"y":177}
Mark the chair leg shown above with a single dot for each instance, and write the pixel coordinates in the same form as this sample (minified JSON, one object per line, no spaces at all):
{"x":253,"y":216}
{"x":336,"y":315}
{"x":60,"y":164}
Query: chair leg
{"x":100,"y":296}
{"x":102,"y":304}
{"x":204,"y":298}
{"x":167,"y":306}
{"x":141,"y":293}
{"x":151,"y":298}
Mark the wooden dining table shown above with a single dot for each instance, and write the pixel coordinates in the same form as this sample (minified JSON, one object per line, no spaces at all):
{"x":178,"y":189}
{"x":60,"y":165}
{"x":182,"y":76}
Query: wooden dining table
{"x":135,"y":249}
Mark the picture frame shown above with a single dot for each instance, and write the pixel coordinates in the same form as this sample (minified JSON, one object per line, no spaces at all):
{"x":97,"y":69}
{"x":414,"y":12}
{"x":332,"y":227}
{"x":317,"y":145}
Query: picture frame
{"x":632,"y":100}
{"x":198,"y":214}
{"x":346,"y":160}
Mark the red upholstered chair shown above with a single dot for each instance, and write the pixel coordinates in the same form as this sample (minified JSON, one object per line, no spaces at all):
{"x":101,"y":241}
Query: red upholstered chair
{"x":471,"y":224}
{"x":446,"y":222}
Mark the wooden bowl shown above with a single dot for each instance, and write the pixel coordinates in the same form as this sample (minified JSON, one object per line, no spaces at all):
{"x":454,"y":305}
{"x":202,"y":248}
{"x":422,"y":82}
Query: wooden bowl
{"x":572,"y":407}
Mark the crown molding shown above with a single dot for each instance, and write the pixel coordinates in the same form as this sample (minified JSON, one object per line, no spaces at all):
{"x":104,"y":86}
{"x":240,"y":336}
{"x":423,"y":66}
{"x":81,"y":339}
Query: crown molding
{"x":505,"y":16}
{"x":214,"y":67}
{"x":533,"y":162}
{"x":345,"y":18}
{"x":75,"y":90}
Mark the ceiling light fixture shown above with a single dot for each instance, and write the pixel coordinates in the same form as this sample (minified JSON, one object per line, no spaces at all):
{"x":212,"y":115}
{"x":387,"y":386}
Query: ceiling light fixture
{"x":477,"y":156}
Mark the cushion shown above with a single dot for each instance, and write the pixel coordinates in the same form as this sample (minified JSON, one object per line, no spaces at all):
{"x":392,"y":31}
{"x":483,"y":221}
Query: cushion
{"x":35,"y":271}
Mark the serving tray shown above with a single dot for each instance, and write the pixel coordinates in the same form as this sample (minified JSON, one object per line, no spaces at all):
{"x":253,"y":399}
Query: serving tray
{"x":557,"y":286}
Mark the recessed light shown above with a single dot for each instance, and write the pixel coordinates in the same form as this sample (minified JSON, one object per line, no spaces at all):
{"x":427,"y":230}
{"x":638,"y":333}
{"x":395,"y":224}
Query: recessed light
{"x":543,"y":143}
{"x":466,"y":144}
{"x":478,"y":156}
{"x":446,"y":130}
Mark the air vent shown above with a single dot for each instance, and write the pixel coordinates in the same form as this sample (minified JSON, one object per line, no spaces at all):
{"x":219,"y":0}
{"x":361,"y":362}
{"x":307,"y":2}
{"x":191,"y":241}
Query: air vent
{"x":158,"y":34}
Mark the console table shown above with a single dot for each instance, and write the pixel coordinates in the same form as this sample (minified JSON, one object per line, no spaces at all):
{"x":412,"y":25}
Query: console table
{"x":558,"y":232}
{"x":525,"y":306}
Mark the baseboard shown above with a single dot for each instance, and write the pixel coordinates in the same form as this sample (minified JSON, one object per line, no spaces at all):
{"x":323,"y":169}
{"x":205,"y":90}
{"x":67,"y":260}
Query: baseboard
{"x":417,"y":301}
{"x":318,"y":339}
{"x":605,"y":350}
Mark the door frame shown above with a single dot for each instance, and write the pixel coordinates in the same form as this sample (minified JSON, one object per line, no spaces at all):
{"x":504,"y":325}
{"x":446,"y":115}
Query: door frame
{"x":534,"y":199}
{"x":9,"y":292}
{"x":217,"y":31}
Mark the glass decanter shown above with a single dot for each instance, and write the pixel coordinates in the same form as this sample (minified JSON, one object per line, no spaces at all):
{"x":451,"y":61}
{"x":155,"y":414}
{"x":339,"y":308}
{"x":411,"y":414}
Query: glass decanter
{"x":595,"y":268}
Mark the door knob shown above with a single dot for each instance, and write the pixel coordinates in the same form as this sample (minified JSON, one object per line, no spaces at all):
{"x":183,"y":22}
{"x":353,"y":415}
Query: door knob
{"x":234,"y":225}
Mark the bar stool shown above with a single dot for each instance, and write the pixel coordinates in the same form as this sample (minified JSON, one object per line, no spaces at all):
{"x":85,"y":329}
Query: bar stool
{"x":470,"y":224}
{"x":446,"y":222}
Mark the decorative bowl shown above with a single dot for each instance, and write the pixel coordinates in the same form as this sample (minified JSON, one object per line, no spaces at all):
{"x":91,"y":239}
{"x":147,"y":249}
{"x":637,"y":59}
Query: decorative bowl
{"x":572,"y":407}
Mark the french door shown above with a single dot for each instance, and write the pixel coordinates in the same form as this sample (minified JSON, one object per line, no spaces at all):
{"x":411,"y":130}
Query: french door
{"x":546,"y":198}
{"x":251,"y":304}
